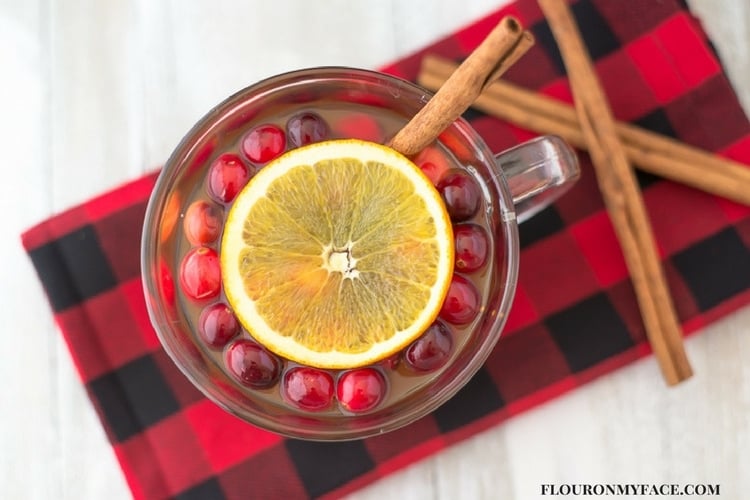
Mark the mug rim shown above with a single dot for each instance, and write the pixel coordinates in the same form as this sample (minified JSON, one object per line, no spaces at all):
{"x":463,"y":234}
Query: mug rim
{"x":168,"y":176}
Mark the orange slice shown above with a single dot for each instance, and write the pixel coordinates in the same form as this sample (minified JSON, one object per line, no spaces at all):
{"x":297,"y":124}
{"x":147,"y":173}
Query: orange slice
{"x":337,"y":254}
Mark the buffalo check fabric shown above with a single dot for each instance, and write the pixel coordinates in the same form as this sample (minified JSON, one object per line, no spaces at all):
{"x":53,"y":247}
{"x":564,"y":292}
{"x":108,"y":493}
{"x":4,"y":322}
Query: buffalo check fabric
{"x":658,"y":70}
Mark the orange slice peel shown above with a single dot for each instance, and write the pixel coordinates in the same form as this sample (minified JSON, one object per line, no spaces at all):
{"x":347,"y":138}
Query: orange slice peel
{"x":337,"y":254}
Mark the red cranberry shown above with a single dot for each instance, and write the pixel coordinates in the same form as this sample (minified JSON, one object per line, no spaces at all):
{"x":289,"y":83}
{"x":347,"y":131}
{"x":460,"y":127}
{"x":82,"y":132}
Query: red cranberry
{"x":201,"y":223}
{"x":391,"y":362}
{"x":433,"y":162}
{"x":430,"y":170}
{"x":217,"y":325}
{"x":226,"y":177}
{"x":431,"y":350}
{"x":359,"y":126}
{"x":360,"y":390}
{"x":461,"y":194}
{"x":167,"y":283}
{"x":264,"y":143}
{"x":461,"y":304}
{"x":200,"y":273}
{"x":252,"y":365}
{"x":202,"y":155}
{"x":306,"y":128}
{"x":471,"y":247}
{"x":308,"y":388}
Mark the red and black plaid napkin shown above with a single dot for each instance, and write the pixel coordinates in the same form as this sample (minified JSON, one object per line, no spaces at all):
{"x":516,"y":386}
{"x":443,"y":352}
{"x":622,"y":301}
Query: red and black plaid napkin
{"x":575,"y":316}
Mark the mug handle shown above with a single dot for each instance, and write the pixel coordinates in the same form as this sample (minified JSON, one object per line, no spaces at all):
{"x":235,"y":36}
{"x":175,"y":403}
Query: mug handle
{"x":538,"y":172}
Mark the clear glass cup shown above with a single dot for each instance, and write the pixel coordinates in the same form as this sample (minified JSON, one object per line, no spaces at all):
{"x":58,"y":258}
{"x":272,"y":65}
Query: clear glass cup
{"x":514,"y":185}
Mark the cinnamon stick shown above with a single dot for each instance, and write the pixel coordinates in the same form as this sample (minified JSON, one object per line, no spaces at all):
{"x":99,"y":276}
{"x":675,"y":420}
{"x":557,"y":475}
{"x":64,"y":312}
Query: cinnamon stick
{"x":649,"y":151}
{"x":621,"y":196}
{"x":504,"y":45}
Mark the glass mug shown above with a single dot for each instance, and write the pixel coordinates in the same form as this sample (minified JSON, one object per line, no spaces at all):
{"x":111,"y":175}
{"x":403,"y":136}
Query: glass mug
{"x":512,"y":186}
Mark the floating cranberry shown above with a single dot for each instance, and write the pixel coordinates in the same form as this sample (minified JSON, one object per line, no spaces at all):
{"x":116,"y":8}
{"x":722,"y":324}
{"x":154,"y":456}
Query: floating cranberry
{"x":392,"y":361}
{"x":306,"y":128}
{"x":217,"y":325}
{"x":433,"y":162}
{"x":430,"y":170}
{"x":471,"y":247}
{"x":308,"y":388}
{"x":264,"y":143}
{"x":167,"y":283}
{"x":252,"y":365}
{"x":200,"y":273}
{"x":202,"y":223}
{"x":461,"y":194}
{"x":360,"y":390}
{"x":431,"y":350}
{"x":359,"y":126}
{"x":226,"y":177}
{"x":202,"y":155}
{"x":461,"y":304}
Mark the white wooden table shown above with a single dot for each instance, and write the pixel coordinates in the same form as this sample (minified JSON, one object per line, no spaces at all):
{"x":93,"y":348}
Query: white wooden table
{"x":92,"y":93}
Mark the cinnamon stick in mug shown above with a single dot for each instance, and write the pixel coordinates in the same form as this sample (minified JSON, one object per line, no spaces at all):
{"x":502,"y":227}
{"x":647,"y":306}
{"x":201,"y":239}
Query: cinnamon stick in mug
{"x":502,"y":47}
